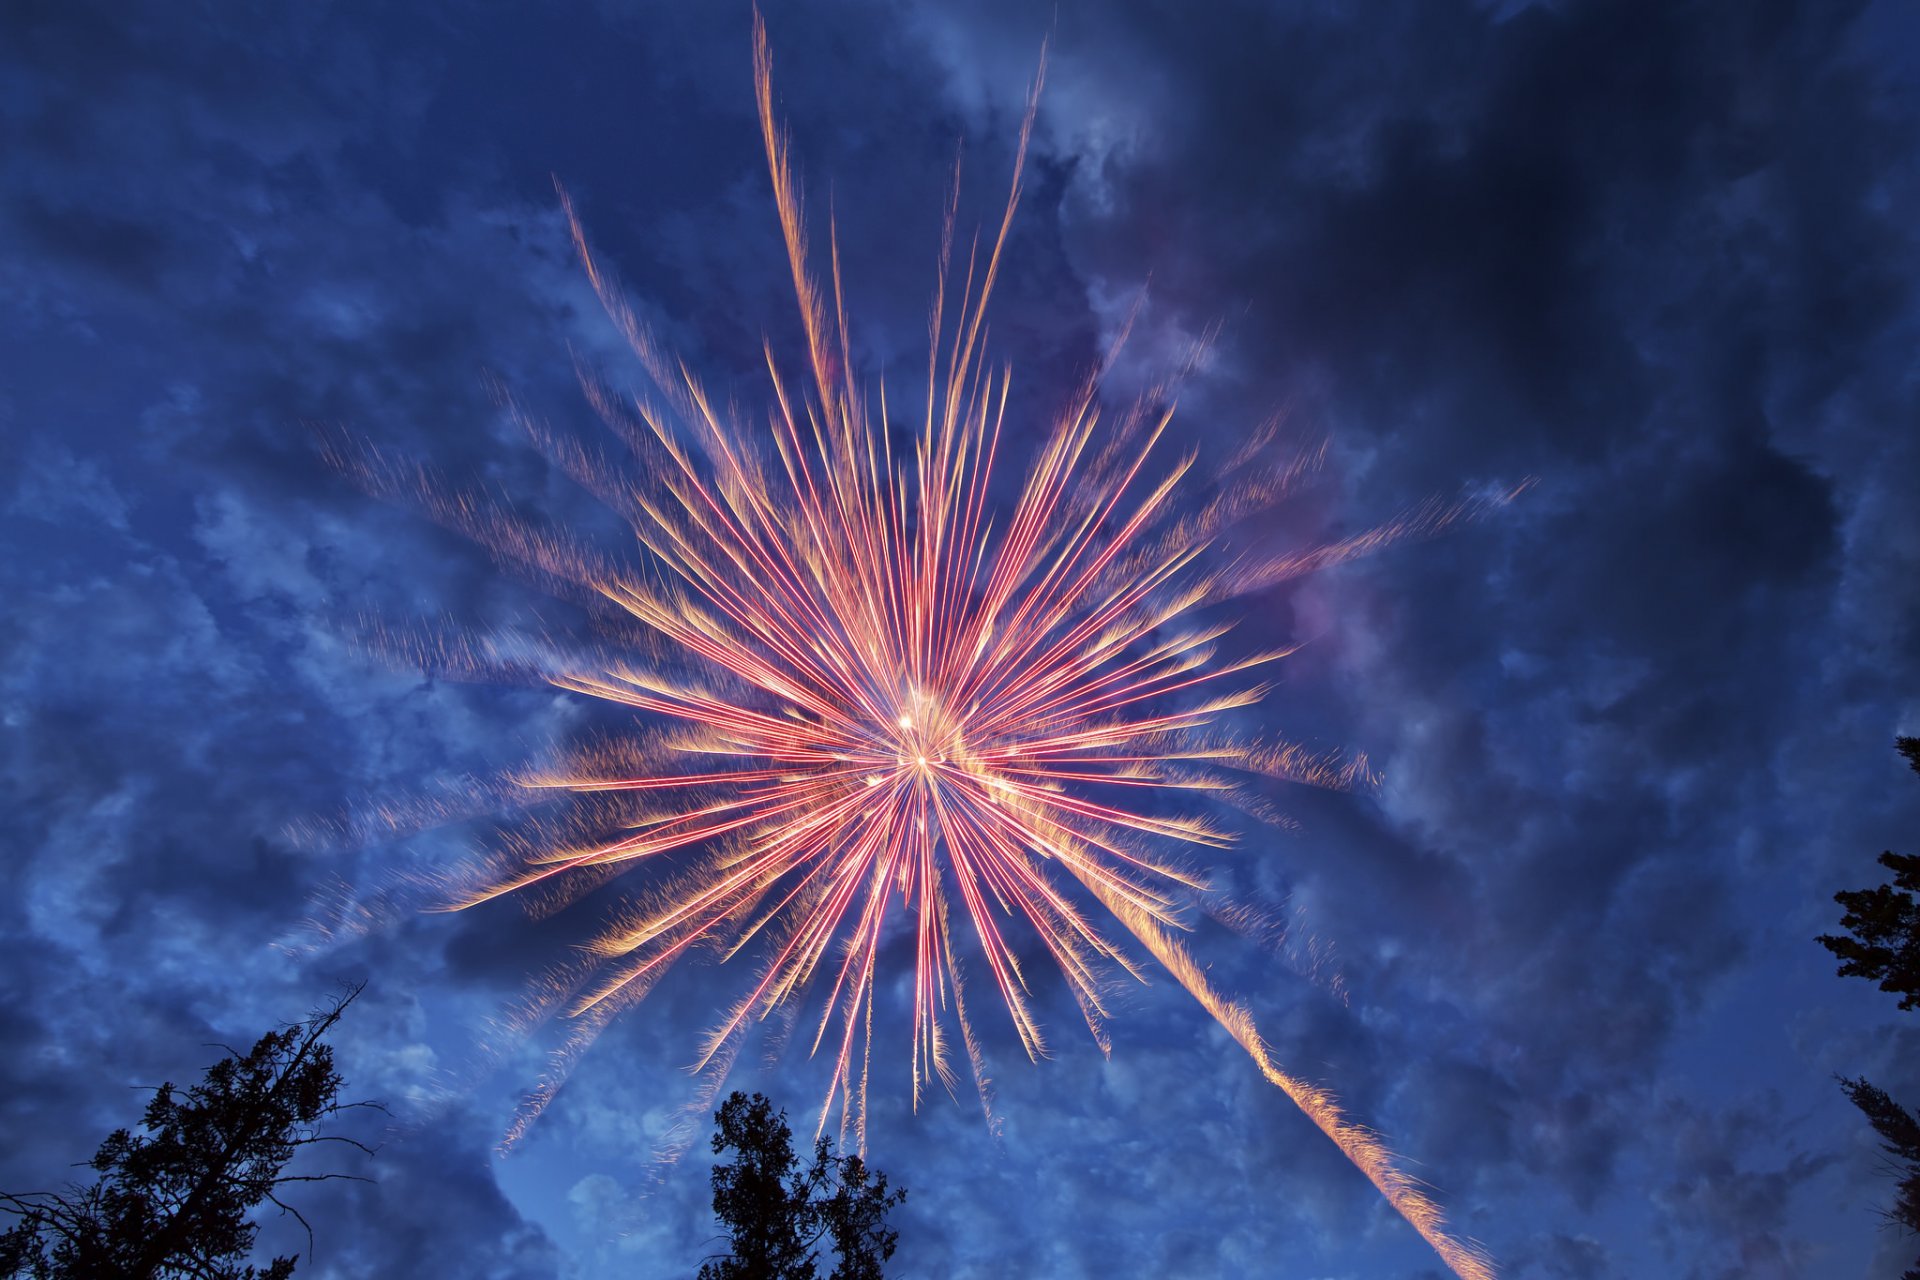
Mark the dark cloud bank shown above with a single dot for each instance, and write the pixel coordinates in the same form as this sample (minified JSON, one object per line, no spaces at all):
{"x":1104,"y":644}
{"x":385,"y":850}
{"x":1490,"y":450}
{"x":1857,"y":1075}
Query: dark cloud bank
{"x":1634,"y":729}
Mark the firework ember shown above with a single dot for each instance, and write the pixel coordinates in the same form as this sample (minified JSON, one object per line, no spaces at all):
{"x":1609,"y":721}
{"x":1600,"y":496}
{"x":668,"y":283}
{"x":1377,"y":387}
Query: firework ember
{"x":877,"y":699}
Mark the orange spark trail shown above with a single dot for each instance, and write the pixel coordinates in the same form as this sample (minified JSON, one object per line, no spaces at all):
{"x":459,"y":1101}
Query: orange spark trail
{"x":1360,"y":1145}
{"x":878,"y":702}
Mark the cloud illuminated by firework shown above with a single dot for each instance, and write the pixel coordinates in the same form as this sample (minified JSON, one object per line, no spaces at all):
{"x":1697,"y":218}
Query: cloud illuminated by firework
{"x":875,"y":698}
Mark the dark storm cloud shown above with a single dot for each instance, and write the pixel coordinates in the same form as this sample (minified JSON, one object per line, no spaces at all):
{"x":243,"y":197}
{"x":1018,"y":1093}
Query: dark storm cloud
{"x":1632,"y":726}
{"x":1632,"y":250}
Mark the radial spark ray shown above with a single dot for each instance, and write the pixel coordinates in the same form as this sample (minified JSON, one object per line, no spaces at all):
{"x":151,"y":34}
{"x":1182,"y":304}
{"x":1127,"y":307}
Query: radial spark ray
{"x":879,"y":700}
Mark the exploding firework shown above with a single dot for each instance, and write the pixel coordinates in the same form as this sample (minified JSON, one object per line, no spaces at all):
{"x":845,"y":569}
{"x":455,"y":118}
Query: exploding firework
{"x":878,"y":699}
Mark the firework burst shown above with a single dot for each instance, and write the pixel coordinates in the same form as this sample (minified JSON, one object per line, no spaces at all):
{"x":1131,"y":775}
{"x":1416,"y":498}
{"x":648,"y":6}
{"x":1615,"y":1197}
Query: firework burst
{"x":880,"y":701}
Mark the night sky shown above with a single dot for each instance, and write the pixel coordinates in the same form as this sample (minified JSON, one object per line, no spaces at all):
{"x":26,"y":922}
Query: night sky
{"x":1634,"y":729}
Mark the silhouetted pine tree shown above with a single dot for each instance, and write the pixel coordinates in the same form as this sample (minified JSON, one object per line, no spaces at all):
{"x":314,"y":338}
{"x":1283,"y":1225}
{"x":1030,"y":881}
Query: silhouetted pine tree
{"x":775,"y":1214}
{"x":175,"y":1200}
{"x":1884,"y":922}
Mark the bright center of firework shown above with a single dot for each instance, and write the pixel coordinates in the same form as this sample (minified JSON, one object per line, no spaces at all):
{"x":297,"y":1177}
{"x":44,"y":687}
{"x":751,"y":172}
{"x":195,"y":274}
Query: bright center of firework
{"x":926,"y":739}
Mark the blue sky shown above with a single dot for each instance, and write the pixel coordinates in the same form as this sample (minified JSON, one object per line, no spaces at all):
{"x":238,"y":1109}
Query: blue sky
{"x":1634,"y":730}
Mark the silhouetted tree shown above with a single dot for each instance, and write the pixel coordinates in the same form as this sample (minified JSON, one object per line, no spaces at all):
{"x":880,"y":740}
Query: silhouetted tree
{"x":1884,"y":921}
{"x":176,"y":1199}
{"x":775,"y":1214}
{"x":1885,"y":946}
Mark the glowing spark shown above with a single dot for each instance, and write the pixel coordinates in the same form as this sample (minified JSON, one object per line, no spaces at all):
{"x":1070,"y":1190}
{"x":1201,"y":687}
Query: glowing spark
{"x":885,"y":692}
